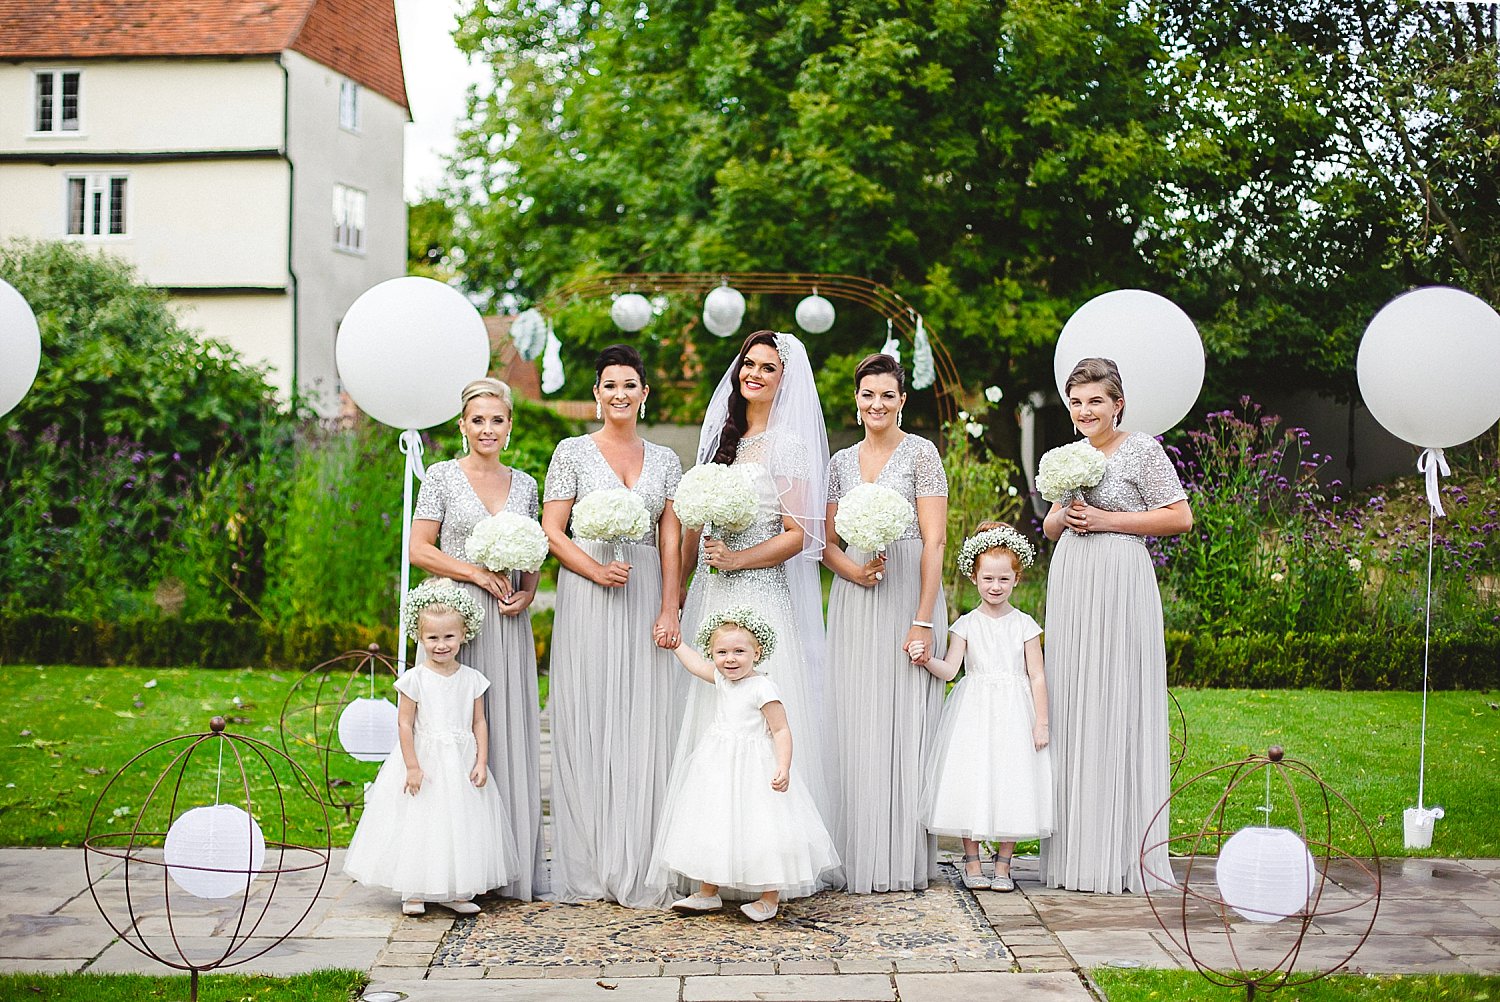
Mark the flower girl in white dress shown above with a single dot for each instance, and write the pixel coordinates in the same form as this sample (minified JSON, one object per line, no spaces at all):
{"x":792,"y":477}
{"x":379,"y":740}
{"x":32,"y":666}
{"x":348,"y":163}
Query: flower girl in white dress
{"x":736,"y":817}
{"x":434,"y":827}
{"x":990,"y":776}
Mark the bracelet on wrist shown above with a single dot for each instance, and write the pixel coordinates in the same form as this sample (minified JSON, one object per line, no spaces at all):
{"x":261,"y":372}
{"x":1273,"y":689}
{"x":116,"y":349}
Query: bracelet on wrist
{"x":920,"y":622}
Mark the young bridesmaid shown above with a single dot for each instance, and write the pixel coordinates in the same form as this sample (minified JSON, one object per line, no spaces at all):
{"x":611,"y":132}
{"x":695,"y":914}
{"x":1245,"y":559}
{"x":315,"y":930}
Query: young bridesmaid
{"x":434,"y":828}
{"x":990,"y":779}
{"x":736,"y":817}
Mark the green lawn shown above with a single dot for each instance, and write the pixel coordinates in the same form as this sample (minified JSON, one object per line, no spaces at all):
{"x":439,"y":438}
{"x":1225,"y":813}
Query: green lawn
{"x":70,"y":729}
{"x":319,"y":986}
{"x":1189,"y":986}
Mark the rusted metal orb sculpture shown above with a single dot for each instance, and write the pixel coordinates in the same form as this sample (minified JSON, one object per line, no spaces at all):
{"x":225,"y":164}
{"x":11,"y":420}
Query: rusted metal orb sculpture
{"x":335,"y":718}
{"x":1177,"y":733}
{"x":1244,"y":891}
{"x":206,"y":875}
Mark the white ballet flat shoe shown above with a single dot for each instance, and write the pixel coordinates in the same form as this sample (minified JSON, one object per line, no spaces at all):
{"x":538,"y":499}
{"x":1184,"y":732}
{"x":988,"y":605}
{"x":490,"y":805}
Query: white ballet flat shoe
{"x":461,"y":907}
{"x":413,"y":906}
{"x":695,"y":903}
{"x":756,"y":911}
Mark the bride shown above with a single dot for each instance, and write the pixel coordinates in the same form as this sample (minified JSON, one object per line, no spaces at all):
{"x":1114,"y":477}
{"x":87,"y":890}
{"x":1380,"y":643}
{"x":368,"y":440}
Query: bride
{"x":765,"y":416}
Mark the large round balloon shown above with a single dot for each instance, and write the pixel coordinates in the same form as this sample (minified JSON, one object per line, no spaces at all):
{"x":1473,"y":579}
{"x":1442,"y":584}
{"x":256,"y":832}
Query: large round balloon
{"x":1429,"y":365}
{"x":20,"y":346}
{"x":1153,"y":342}
{"x":407,"y":348}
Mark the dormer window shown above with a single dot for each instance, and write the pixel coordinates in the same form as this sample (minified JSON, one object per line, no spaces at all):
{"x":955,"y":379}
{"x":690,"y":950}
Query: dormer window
{"x":56,"y":101}
{"x":349,"y":105}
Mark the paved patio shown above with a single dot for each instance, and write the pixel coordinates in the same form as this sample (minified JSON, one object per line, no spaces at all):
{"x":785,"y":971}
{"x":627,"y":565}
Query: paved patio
{"x":1434,"y":916}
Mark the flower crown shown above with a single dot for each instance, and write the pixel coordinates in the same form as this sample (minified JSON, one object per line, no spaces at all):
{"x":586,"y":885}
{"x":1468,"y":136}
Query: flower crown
{"x":1003,"y":537}
{"x":743,"y":616}
{"x":441,"y":591}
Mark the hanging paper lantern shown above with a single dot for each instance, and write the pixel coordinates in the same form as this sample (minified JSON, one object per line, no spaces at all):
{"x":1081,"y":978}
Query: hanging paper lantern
{"x":923,"y":372}
{"x":210,"y":851}
{"x":529,"y":332}
{"x":1265,"y":874}
{"x":723,"y":309}
{"x":631,"y":312}
{"x":367,"y":729}
{"x":892,"y":347}
{"x":552,"y":367}
{"x":815,"y":314}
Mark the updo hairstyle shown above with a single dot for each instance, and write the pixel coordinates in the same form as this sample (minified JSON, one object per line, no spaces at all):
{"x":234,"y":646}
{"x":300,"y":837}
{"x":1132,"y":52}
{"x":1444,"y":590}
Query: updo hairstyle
{"x":1102,"y":371}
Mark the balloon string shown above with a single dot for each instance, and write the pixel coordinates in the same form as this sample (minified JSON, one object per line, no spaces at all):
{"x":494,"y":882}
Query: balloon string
{"x":411,"y":448}
{"x":1426,"y":651}
{"x":1431,"y":463}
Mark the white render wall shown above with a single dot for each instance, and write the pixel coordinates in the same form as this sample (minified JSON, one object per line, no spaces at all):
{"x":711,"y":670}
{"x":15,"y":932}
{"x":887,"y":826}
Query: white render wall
{"x":256,"y":326}
{"x":322,"y":155}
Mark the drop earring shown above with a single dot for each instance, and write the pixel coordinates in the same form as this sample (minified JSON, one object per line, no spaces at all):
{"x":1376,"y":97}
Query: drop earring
{"x":859,"y":418}
{"x":643,"y":410}
{"x":507,"y":441}
{"x":898,"y":418}
{"x":598,"y":411}
{"x":465,"y":437}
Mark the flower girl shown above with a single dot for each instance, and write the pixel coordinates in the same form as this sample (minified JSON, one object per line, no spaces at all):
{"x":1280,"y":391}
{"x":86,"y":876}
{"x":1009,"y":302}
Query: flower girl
{"x":434,"y":827}
{"x":990,"y":777}
{"x":736,"y":817}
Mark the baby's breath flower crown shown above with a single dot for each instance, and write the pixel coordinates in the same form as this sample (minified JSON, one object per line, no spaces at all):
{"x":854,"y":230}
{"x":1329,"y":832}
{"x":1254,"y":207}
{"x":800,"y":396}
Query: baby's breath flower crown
{"x":740,"y":615}
{"x":989,"y":539}
{"x":441,"y":591}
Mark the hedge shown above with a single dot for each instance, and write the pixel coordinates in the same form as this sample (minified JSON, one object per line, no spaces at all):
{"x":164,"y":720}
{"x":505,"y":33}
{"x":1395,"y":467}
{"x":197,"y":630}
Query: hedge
{"x":1332,"y":661}
{"x":54,"y":638}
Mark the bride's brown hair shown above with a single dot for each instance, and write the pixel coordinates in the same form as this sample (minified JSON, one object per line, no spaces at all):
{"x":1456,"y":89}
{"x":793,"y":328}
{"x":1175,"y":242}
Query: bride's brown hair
{"x":736,"y":421}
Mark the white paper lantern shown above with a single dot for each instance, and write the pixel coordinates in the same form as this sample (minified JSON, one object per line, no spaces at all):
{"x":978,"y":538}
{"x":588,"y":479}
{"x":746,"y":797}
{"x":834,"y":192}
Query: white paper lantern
{"x":1154,"y":343}
{"x":367,"y":729}
{"x":1428,"y":365}
{"x":529,"y":333}
{"x":723,"y":310}
{"x":210,"y":850}
{"x":815,"y":314}
{"x":1265,"y":874}
{"x":631,"y":312}
{"x":407,"y":348}
{"x":20,"y":346}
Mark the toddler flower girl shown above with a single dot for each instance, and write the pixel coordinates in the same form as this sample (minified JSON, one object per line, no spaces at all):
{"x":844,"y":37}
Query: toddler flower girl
{"x":736,"y":817}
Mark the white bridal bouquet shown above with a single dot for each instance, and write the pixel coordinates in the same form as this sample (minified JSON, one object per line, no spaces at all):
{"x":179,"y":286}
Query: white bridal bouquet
{"x":1065,"y":471}
{"x":507,"y":542}
{"x":872,"y":517}
{"x":715,"y":497}
{"x":615,"y":516}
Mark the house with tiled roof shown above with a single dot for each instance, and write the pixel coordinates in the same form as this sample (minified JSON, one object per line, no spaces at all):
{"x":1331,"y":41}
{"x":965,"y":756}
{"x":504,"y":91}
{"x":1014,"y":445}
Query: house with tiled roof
{"x":244,"y":155}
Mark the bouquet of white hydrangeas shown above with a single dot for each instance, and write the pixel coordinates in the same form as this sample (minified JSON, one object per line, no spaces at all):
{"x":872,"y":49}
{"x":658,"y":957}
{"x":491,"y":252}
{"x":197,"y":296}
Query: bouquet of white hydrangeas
{"x":872,"y":517}
{"x":507,"y":542}
{"x":614,"y":516}
{"x":1065,"y":471}
{"x":716,"y":498}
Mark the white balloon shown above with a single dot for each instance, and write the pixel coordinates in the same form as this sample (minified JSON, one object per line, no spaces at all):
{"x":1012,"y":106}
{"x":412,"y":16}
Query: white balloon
{"x":368,"y":729}
{"x":20,"y":346}
{"x":1155,"y":345}
{"x":815,"y":314}
{"x":723,"y":310}
{"x":406,"y":349}
{"x":1429,"y":364}
{"x":213,"y":852}
{"x":1265,"y":874}
{"x":631,"y":312}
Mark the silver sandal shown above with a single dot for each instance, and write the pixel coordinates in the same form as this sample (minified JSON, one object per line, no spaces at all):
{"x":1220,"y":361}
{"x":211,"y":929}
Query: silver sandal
{"x":974,"y":881}
{"x":1003,"y":884}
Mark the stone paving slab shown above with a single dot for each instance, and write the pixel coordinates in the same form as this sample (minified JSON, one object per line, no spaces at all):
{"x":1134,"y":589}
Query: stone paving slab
{"x":792,"y":988}
{"x":1060,"y":987}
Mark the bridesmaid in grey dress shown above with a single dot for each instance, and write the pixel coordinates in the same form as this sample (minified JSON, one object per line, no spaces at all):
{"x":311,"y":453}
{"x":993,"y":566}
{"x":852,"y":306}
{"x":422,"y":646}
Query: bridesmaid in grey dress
{"x":887,"y":708}
{"x":615,"y":688}
{"x":1106,"y":657}
{"x":455,"y":495}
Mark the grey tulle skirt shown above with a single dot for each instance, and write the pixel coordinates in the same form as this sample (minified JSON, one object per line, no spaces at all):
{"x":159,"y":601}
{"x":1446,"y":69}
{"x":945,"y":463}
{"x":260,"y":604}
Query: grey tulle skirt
{"x":505,"y":653}
{"x":887,"y":711}
{"x":1107,"y":695}
{"x":615,"y":708}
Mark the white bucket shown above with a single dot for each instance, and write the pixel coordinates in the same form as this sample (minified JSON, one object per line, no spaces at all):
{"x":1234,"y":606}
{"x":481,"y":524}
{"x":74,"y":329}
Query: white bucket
{"x":1417,"y":822}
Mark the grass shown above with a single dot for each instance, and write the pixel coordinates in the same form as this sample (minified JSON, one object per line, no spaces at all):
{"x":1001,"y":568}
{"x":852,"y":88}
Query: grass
{"x":1189,"y":986}
{"x":70,"y":729}
{"x":319,"y":986}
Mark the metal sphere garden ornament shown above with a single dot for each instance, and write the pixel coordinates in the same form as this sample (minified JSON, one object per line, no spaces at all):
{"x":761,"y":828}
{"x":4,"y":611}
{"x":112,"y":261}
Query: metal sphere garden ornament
{"x":723,"y":311}
{"x":178,"y":844}
{"x":331,"y":723}
{"x":631,"y":312}
{"x":815,"y":314}
{"x":1236,"y":872}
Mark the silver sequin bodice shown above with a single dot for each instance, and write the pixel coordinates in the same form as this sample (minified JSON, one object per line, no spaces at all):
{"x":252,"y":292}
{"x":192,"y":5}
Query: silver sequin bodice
{"x":447,"y":497}
{"x":578,"y":469}
{"x":913,"y":470}
{"x":1137,"y":477}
